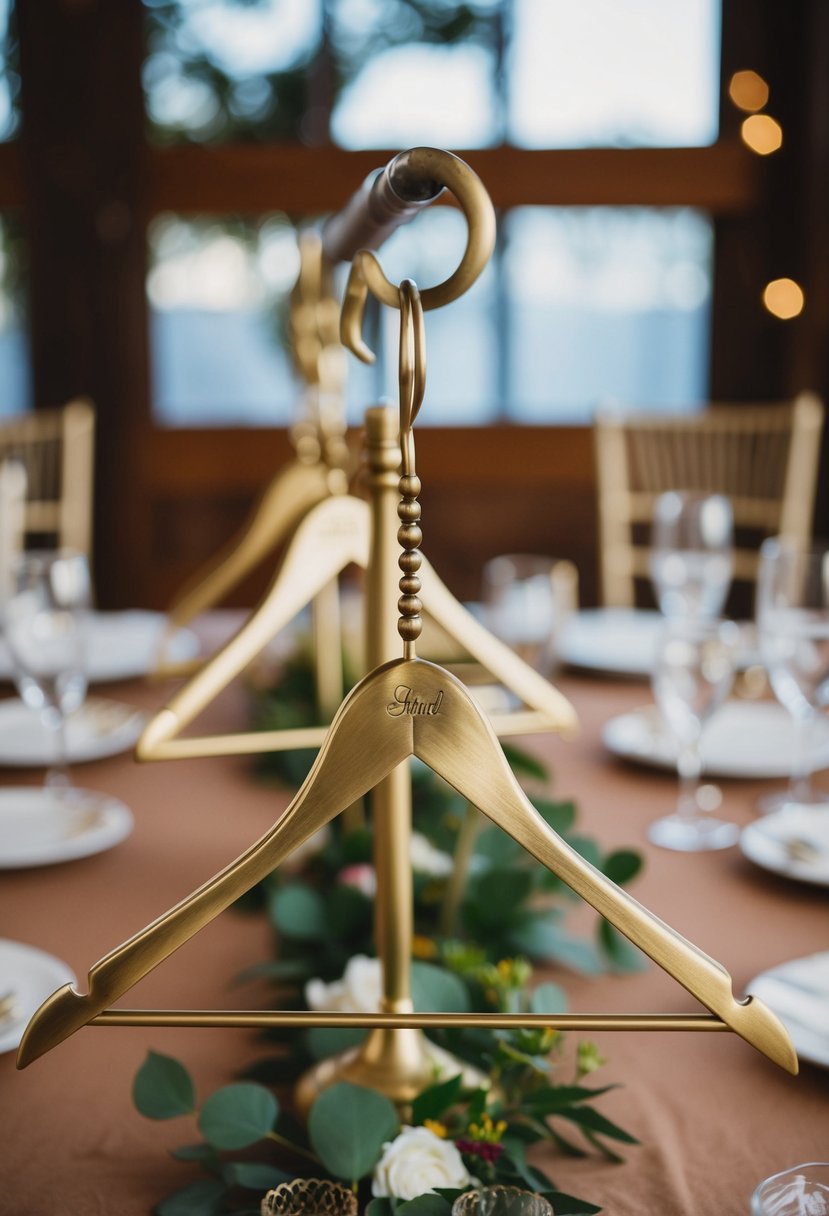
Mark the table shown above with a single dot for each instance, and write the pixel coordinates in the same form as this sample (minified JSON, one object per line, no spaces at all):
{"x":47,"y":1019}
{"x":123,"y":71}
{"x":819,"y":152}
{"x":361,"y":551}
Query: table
{"x":713,"y":1116}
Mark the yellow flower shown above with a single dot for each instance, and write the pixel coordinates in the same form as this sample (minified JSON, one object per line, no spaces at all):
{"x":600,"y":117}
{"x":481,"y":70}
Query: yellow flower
{"x":423,"y":947}
{"x":436,"y":1128}
{"x":488,"y":1131}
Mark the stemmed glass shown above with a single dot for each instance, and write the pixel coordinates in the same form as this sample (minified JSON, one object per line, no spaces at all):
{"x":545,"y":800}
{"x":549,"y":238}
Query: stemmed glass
{"x":691,"y":553}
{"x":523,"y":605}
{"x":49,"y":592}
{"x":692,"y":677}
{"x":793,"y":628}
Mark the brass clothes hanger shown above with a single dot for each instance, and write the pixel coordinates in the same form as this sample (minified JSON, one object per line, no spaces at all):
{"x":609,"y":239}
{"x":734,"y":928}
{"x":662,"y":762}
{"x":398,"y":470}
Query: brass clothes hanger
{"x":407,"y":707}
{"x":334,"y":534}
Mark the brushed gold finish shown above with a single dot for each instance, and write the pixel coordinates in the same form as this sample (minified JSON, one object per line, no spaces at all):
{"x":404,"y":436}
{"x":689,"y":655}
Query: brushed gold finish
{"x":405,"y":708}
{"x":255,"y":1019}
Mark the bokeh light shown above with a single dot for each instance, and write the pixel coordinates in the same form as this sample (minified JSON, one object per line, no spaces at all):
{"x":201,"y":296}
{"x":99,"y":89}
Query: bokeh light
{"x":783,"y":298}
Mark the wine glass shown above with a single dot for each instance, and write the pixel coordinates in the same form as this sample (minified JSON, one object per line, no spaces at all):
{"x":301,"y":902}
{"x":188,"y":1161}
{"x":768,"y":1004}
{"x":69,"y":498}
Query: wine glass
{"x":691,"y":553}
{"x":801,"y":1190}
{"x":525,"y":602}
{"x":49,"y":592}
{"x":793,"y":629}
{"x":692,"y":677}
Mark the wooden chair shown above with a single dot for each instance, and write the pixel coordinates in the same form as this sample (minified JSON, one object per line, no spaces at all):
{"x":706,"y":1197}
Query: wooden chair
{"x":56,"y":449}
{"x":763,"y":457}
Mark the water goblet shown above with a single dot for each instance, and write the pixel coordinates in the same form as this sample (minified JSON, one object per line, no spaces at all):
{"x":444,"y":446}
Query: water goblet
{"x":692,"y":676}
{"x":793,"y":630}
{"x":691,"y":555}
{"x":44,"y":632}
{"x":802,"y":1190}
{"x":526,"y":599}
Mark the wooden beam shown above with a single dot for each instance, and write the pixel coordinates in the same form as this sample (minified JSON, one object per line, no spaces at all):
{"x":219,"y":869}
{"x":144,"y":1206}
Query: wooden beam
{"x":245,"y":179}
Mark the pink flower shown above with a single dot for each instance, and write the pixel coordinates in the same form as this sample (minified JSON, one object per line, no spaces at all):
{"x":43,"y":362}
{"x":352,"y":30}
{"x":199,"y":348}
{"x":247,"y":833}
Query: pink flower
{"x":361,"y":877}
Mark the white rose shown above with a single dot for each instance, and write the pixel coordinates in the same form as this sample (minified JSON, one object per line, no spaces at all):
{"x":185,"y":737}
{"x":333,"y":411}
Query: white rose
{"x":415,"y":1162}
{"x":359,"y":991}
{"x":426,"y":859}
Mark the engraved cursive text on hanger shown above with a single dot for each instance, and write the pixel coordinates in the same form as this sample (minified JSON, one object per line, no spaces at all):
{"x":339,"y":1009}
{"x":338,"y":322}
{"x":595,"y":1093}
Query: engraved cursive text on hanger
{"x":405,"y":702}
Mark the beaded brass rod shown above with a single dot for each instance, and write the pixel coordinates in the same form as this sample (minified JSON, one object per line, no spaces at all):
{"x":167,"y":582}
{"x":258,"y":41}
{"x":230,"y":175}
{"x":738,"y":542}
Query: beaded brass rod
{"x":263,"y":1019}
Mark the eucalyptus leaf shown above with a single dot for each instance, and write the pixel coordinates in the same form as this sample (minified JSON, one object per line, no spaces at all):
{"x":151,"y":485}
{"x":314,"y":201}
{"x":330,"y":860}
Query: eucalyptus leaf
{"x":523,"y":764}
{"x":204,"y":1154}
{"x":163,"y":1088}
{"x":202,"y":1198}
{"x":548,"y":998}
{"x":588,"y":848}
{"x":432,"y":1102}
{"x":436,"y":990}
{"x":495,"y":846}
{"x":542,"y":938}
{"x":324,"y":1041}
{"x":380,"y":1206}
{"x":498,"y":893}
{"x":550,"y":1099}
{"x":237,"y":1116}
{"x":559,"y":815}
{"x":623,"y":865}
{"x":298,"y":912}
{"x":424,"y":1205}
{"x":254,"y":1175}
{"x":348,"y":1126}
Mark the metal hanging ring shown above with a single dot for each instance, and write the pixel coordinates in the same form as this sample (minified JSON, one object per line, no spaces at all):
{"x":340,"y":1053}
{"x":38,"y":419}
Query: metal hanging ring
{"x":367,"y":274}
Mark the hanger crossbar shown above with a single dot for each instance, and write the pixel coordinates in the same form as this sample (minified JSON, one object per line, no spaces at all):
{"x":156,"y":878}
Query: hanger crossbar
{"x":269,"y":1018}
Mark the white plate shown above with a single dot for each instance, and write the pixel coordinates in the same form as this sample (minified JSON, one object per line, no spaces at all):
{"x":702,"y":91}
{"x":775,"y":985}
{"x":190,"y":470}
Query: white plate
{"x":744,"y":739}
{"x":40,"y":828}
{"x":100,"y":728}
{"x":32,"y":975}
{"x":123,"y":645}
{"x":798,"y":992}
{"x":776,"y":842}
{"x":623,"y":641}
{"x":617,"y":640}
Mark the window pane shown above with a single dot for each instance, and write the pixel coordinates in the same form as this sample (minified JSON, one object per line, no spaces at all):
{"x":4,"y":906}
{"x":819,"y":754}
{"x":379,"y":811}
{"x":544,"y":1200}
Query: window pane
{"x":15,"y":370}
{"x":219,"y":295}
{"x":606,"y":304}
{"x":229,"y":69}
{"x":9,"y":75}
{"x":415,"y":74}
{"x":462,"y":352}
{"x":605,"y":73}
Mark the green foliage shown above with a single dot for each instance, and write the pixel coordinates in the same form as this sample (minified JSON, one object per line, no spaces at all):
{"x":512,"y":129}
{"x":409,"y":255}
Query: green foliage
{"x":348,"y":1126}
{"x":163,"y":1088}
{"x":237,"y":1116}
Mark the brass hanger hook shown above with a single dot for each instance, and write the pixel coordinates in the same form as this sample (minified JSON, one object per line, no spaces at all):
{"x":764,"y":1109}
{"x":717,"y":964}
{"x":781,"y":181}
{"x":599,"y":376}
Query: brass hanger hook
{"x":367,"y":275}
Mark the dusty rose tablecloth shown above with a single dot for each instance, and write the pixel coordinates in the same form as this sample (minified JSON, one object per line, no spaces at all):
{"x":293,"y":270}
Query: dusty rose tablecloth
{"x":713,"y":1116}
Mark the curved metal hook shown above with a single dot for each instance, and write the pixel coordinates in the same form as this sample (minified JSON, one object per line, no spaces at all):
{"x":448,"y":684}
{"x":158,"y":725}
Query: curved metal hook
{"x":412,"y":367}
{"x":367,"y":274}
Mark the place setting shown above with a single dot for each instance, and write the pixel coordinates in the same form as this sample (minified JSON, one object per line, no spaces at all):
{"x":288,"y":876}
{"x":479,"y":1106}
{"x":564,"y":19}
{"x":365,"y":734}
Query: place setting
{"x":53,"y":725}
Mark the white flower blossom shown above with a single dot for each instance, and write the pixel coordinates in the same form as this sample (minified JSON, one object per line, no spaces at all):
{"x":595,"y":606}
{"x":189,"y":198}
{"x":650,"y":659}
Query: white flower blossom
{"x":359,"y":991}
{"x":415,"y":1162}
{"x":426,"y":859}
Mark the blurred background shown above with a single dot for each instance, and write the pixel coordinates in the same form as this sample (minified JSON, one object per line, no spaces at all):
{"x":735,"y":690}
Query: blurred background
{"x":660,"y":170}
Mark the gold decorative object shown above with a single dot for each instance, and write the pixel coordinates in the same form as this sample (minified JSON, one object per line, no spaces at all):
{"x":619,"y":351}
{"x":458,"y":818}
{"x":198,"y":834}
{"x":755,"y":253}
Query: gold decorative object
{"x":404,"y":707}
{"x":309,"y":1197}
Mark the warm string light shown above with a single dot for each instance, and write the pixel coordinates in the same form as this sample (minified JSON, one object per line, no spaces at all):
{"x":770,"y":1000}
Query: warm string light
{"x":760,"y":132}
{"x":783,"y":298}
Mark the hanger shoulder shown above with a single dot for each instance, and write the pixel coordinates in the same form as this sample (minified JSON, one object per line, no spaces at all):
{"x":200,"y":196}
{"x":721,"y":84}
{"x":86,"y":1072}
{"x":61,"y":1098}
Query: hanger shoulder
{"x":294,"y":490}
{"x":459,"y":744}
{"x":365,"y":742}
{"x":516,"y":675}
{"x":334,"y":533}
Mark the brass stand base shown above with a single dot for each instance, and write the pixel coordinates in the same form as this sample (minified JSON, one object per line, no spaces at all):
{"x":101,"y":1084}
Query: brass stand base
{"x":397,"y":1063}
